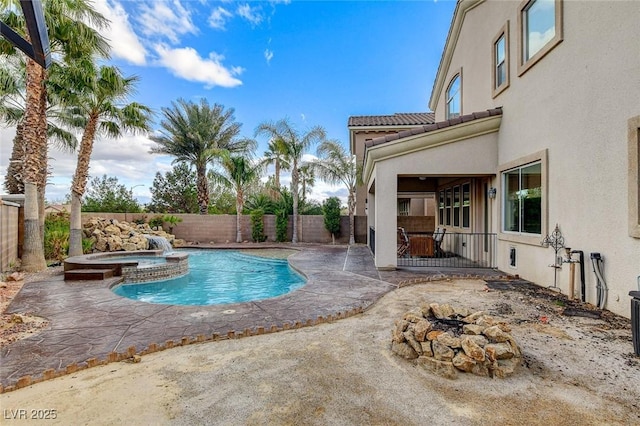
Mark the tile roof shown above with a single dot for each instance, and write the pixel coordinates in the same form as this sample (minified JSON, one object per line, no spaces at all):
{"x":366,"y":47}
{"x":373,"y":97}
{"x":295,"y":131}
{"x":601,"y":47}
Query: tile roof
{"x":434,"y":126}
{"x":398,"y":119}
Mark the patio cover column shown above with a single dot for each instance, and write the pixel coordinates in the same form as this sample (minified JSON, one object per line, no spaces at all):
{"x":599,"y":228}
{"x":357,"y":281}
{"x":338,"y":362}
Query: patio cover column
{"x":386,"y":210}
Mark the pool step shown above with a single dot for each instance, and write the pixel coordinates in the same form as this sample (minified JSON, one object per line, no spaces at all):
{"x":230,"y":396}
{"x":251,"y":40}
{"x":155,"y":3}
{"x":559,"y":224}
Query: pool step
{"x":87,"y":274}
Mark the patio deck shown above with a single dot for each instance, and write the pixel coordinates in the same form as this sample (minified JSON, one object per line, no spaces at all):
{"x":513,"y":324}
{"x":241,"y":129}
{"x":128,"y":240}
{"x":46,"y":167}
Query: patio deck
{"x":89,"y":322}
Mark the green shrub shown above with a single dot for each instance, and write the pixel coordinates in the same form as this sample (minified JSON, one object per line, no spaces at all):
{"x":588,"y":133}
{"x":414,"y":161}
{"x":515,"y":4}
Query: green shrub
{"x":56,"y":236}
{"x":156,"y":221}
{"x":331,"y":211}
{"x":172,"y":221}
{"x":282,"y":221}
{"x":87,"y":245}
{"x":257,"y":226}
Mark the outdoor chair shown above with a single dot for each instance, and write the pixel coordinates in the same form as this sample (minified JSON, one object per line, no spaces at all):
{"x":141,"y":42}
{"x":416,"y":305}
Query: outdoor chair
{"x":438,"y":237}
{"x":403,"y":242}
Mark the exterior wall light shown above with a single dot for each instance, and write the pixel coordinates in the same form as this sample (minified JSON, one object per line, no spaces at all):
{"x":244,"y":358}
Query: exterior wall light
{"x":492,"y":192}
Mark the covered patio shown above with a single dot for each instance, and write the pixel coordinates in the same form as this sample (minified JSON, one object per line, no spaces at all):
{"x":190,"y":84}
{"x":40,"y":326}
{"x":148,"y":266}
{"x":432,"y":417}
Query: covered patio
{"x":455,"y":162}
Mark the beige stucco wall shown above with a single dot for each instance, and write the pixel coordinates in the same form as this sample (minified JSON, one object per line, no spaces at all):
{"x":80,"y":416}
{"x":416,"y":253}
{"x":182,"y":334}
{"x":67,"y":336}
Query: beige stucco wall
{"x":575,"y":102}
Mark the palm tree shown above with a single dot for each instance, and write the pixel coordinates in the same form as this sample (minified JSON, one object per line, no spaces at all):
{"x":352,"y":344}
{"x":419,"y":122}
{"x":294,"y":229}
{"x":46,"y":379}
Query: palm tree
{"x":276,"y":155}
{"x":307,"y":180}
{"x":198,"y":134}
{"x":12,"y":107}
{"x":295,"y":146}
{"x":238,"y":173}
{"x":71,"y":31}
{"x":336,"y":166}
{"x":96,"y":103}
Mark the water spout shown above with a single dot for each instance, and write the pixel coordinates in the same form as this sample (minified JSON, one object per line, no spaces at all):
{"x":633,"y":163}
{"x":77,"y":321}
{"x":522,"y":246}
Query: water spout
{"x":159,"y":243}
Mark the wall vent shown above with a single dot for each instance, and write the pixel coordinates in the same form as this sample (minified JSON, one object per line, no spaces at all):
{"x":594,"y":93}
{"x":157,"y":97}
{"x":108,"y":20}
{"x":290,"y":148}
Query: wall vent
{"x":512,"y":256}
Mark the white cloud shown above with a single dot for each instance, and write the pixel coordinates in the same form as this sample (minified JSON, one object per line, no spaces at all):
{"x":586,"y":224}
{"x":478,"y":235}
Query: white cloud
{"x":303,"y":117}
{"x":188,"y":64}
{"x":251,"y":14}
{"x":123,"y":40}
{"x":219,"y":17}
{"x":166,"y":19}
{"x":268,"y":55}
{"x":537,"y":40}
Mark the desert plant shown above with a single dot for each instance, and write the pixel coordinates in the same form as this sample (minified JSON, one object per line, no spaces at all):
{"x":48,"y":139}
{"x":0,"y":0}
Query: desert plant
{"x":156,"y":221}
{"x":172,"y":221}
{"x":257,"y":226}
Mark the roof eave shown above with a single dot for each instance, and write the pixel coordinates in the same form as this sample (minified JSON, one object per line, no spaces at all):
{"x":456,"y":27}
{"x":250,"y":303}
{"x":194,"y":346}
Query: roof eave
{"x":410,"y":144}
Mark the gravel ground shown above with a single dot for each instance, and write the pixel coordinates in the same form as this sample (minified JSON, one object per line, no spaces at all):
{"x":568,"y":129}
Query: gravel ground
{"x":576,"y":371}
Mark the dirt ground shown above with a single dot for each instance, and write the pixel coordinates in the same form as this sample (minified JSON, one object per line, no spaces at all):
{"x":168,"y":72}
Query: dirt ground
{"x":577,"y":370}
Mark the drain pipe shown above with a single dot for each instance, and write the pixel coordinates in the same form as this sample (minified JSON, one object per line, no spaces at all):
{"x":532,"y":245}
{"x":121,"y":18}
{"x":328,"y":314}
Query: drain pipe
{"x":582,"y":278}
{"x":601,"y":286}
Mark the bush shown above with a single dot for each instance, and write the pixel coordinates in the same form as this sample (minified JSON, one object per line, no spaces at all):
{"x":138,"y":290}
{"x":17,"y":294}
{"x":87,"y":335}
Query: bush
{"x":282,"y":221}
{"x":172,"y":221}
{"x":331,"y":211}
{"x":156,"y":221}
{"x":257,"y":226}
{"x":56,"y":236}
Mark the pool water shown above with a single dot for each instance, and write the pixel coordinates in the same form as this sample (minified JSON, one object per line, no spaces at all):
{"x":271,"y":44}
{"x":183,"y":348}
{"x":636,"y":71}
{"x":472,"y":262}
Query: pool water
{"x":219,"y":277}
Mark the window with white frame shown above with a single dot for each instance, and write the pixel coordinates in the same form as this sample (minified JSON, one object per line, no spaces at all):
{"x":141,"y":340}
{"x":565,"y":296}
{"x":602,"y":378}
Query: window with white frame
{"x":500,"y":77}
{"x":454,"y":98}
{"x":454,"y":206}
{"x":540,"y":27}
{"x":522,"y":195}
{"x":466,"y":205}
{"x":403,"y":207}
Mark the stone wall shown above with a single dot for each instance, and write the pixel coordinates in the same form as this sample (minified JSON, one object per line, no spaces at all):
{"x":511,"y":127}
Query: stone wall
{"x":222,"y":228}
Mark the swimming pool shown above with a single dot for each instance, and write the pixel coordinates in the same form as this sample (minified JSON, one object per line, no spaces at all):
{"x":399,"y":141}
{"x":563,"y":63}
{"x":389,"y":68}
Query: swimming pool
{"x":219,"y":277}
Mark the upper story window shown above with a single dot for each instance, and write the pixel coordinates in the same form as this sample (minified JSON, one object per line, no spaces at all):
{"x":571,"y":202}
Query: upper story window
{"x":404,"y":206}
{"x":540,"y":27}
{"x":454,"y":100}
{"x":500,"y":76}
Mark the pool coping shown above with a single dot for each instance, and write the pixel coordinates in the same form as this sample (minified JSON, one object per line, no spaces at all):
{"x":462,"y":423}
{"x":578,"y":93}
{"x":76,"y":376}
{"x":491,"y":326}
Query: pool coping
{"x":89,"y":325}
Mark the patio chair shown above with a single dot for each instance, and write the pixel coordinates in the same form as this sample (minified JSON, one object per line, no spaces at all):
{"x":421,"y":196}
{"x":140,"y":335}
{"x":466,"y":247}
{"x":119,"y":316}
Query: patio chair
{"x":438,"y":236}
{"x":403,"y":242}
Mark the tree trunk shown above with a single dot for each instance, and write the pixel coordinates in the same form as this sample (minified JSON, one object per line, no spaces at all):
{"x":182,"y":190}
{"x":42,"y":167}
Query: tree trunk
{"x":239,"y":205}
{"x":79,"y":184}
{"x":33,"y":252}
{"x":294,"y":194}
{"x":277,"y":180}
{"x":14,"y":180}
{"x":351,"y":203}
{"x":75,"y":235}
{"x":43,"y":169}
{"x":203,"y":189}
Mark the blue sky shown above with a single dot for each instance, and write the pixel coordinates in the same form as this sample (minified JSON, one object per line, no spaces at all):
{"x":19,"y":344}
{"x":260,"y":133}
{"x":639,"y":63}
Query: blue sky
{"x":315,"y":62}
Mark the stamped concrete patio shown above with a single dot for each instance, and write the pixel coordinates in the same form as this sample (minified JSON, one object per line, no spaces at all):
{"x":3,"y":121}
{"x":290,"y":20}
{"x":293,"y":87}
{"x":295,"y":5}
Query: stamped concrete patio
{"x":90,"y":324}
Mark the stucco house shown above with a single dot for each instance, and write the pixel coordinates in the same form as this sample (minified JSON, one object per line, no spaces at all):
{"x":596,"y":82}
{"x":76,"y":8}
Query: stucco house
{"x":536,"y":123}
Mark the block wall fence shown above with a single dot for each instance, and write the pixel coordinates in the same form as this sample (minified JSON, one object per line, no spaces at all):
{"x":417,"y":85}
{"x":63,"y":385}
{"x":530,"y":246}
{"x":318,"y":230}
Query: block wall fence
{"x":222,"y":228}
{"x":11,"y":225}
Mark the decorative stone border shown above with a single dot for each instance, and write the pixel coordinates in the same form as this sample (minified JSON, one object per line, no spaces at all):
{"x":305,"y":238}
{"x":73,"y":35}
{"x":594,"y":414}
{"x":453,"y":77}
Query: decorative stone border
{"x":133,"y":355}
{"x":480,"y":344}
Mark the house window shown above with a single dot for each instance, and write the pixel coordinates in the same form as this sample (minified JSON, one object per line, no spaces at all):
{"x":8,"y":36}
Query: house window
{"x":466,"y":205}
{"x":501,"y":60}
{"x":403,"y":207}
{"x":447,"y":212}
{"x":454,"y":104}
{"x":441,"y":208}
{"x":456,"y":206}
{"x":540,"y":28}
{"x":634,"y":176}
{"x":522,"y":195}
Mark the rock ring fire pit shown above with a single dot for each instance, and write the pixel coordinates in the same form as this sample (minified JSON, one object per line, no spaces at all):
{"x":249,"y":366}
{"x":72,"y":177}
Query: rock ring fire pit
{"x":447,"y":340}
